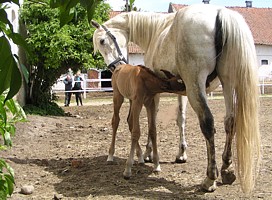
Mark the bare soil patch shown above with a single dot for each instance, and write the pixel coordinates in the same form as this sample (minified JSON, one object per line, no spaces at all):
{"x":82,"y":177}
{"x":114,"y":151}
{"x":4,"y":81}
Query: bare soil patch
{"x":66,"y":156}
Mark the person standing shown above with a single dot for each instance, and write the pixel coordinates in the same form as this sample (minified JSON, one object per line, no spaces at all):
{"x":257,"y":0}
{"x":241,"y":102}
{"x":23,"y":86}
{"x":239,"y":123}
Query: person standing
{"x":68,"y":89}
{"x":77,"y":86}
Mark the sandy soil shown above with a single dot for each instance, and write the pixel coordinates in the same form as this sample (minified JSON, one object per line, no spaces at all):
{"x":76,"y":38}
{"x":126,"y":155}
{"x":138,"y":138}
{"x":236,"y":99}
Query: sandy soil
{"x":65,"y":157}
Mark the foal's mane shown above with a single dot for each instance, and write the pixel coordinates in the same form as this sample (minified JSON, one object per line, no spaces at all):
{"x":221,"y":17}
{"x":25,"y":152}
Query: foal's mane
{"x":148,"y":70}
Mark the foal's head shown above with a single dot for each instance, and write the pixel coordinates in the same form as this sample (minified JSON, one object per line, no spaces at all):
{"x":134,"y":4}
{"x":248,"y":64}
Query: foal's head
{"x":157,"y":84}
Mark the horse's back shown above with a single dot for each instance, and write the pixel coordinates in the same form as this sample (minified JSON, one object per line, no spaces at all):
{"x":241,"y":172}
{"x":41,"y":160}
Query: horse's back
{"x":188,"y":48}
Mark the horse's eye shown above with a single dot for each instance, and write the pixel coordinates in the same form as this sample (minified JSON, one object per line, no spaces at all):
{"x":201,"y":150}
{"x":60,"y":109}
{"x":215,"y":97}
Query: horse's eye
{"x":102,"y":41}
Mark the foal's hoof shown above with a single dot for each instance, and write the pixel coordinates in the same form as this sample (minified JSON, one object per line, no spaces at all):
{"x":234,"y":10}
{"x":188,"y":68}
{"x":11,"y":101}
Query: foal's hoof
{"x":179,"y":160}
{"x":111,"y":163}
{"x":148,"y":160}
{"x":141,"y":164}
{"x":208,"y":185}
{"x":126,"y":177}
{"x":228,"y":177}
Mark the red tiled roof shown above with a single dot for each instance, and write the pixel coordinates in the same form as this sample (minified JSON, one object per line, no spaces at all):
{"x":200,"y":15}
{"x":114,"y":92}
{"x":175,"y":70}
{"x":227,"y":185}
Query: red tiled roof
{"x":134,"y":48}
{"x":114,"y":13}
{"x":258,"y":19}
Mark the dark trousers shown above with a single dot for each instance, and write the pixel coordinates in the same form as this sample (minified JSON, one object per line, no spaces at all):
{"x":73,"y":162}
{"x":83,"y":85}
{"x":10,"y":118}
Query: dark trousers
{"x":67,"y":98}
{"x":78,"y":97}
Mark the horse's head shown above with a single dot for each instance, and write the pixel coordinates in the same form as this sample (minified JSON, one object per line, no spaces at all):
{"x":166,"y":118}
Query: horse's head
{"x":111,"y":43}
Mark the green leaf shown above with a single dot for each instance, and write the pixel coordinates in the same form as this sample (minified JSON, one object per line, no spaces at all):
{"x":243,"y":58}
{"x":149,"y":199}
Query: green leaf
{"x":15,"y":81}
{"x":11,"y":106}
{"x":70,"y":4}
{"x":23,"y":69}
{"x":10,"y":183}
{"x":66,"y":16}
{"x":90,"y":6}
{"x":7,"y":139}
{"x":19,"y":40}
{"x":4,"y":18}
{"x":9,"y":1}
{"x":3,"y":114}
{"x":55,"y":3}
{"x":5,"y":63}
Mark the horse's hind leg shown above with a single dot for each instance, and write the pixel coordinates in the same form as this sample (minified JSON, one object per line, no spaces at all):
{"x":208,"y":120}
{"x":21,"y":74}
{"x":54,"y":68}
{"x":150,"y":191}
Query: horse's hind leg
{"x":182,"y":156}
{"x":118,"y":100}
{"x":227,"y":170}
{"x":198,"y":102}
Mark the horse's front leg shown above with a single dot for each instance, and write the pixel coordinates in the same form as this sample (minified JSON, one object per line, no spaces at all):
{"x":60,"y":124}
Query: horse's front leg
{"x":134,"y":124}
{"x":118,"y":100}
{"x":152,"y":132}
{"x":181,"y":116}
{"x":198,"y":102}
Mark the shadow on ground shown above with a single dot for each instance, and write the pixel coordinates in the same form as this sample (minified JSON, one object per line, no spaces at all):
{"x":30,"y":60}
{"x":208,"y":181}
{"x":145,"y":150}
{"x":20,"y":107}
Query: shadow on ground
{"x":93,"y":177}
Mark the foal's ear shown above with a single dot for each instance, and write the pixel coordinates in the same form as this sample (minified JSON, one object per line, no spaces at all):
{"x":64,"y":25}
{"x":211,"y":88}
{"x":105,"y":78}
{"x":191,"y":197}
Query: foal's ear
{"x":167,"y":74}
{"x":95,"y":24}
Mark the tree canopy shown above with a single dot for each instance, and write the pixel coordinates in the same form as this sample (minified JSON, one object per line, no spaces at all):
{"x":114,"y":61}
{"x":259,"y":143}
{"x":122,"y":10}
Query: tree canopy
{"x":54,"y":48}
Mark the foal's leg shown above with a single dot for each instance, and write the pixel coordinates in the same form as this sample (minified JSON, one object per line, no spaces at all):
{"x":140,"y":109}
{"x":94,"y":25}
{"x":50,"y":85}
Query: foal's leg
{"x":147,"y":155}
{"x":139,"y":151}
{"x":227,"y":170}
{"x":181,"y":116}
{"x":152,"y":132}
{"x":118,"y":100}
{"x":133,"y":121}
{"x":198,"y":101}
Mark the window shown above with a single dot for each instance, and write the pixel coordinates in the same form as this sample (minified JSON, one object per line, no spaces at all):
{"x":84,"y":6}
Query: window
{"x":264,"y":62}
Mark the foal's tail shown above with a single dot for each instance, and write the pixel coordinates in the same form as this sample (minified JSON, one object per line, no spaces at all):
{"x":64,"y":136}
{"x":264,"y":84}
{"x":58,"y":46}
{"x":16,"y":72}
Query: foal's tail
{"x":239,"y":53}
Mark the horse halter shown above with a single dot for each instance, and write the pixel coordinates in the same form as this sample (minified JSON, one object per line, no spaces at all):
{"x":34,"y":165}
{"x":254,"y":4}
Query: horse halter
{"x":120,"y":57}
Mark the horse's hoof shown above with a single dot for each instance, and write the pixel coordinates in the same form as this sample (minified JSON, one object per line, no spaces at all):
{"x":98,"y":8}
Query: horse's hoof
{"x":141,"y":163}
{"x":156,"y":172}
{"x":148,"y":160}
{"x":208,"y":185}
{"x":126,"y":177}
{"x":111,"y":162}
{"x":157,"y":169}
{"x":127,"y":174}
{"x":228,"y":177}
{"x":178,"y":160}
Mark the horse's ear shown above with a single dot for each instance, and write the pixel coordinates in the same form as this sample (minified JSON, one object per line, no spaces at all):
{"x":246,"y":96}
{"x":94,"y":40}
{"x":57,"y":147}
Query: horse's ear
{"x":95,"y":24}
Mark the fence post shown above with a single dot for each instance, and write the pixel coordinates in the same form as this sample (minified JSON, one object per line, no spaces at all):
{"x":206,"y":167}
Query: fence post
{"x":84,"y":89}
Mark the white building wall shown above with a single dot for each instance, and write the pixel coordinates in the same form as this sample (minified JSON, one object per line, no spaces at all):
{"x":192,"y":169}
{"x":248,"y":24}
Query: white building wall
{"x":136,"y":59}
{"x":264,"y":52}
{"x":13,"y":16}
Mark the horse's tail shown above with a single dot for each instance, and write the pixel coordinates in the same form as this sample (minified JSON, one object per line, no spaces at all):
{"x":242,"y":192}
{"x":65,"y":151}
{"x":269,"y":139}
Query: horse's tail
{"x":239,"y":56}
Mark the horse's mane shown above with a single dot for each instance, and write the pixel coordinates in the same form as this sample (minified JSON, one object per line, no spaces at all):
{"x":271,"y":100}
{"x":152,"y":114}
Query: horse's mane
{"x":144,"y":26}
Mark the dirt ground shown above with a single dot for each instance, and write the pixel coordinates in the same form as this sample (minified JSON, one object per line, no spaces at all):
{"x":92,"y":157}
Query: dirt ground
{"x":66,"y":157}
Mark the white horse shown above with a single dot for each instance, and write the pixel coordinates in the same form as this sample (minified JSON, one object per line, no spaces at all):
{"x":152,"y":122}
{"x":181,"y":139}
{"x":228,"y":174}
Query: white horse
{"x":196,"y":43}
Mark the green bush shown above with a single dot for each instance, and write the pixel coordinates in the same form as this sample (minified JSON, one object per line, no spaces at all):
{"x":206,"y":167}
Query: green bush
{"x":10,"y":113}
